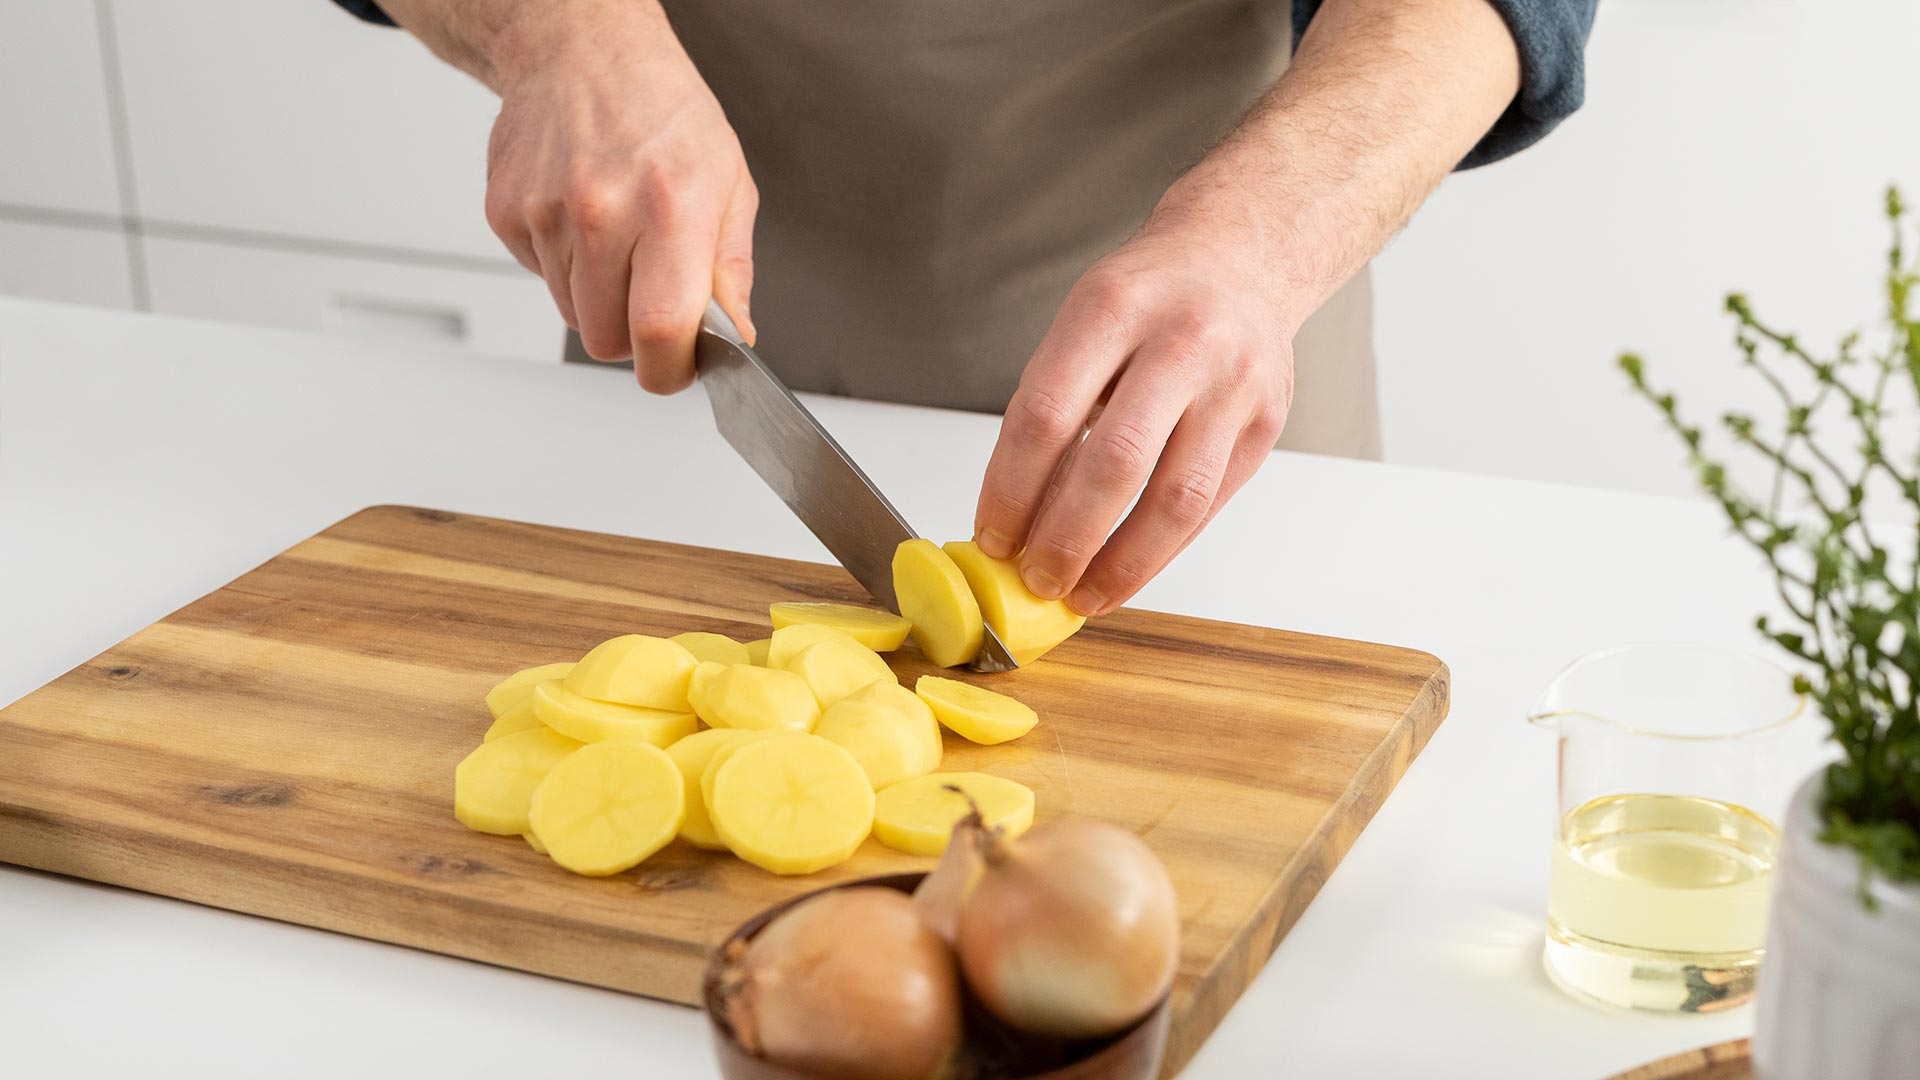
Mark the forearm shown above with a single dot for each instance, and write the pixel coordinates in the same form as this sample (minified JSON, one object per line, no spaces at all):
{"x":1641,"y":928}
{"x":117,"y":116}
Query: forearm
{"x":494,"y":40}
{"x":1382,"y":100}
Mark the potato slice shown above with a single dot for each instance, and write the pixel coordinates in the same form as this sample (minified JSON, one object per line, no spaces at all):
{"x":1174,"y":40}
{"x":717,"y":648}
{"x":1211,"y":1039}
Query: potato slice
{"x":718,"y":648}
{"x":599,"y":721}
{"x":920,"y":715}
{"x":534,"y":842}
{"x":493,"y":786}
{"x":917,"y":816}
{"x":608,"y":806}
{"x":724,"y":751}
{"x":889,"y":742}
{"x":881,"y":631}
{"x":787,"y":641}
{"x":518,"y":717}
{"x":791,"y":804}
{"x":973,"y":713}
{"x":692,"y":755}
{"x":757,"y":698}
{"x":936,"y":598}
{"x":757,"y":651}
{"x":515,"y":687}
{"x":635,"y":669}
{"x":703,"y":674}
{"x":833,"y":670}
{"x":1028,"y":626}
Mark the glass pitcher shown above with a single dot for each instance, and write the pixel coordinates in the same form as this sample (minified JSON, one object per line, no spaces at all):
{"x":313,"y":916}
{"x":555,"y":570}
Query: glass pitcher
{"x":1675,"y":763}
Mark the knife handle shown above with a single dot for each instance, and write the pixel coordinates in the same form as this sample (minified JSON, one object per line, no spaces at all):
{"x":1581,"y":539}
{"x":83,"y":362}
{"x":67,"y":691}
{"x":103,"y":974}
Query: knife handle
{"x":717,"y":322}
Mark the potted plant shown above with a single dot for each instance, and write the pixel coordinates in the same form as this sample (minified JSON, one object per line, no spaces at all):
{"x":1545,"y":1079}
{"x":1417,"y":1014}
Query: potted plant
{"x":1838,"y":525}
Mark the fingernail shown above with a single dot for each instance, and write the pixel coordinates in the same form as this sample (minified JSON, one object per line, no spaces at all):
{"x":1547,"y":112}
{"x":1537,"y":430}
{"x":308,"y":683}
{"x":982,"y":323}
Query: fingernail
{"x":996,"y":545}
{"x":1085,"y":601}
{"x":1042,"y":584}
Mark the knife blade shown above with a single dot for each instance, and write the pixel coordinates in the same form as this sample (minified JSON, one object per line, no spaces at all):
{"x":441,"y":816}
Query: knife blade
{"x":800,"y":460}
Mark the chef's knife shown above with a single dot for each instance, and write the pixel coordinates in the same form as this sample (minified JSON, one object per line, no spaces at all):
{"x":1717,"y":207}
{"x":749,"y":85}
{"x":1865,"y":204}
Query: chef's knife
{"x":801,"y":462}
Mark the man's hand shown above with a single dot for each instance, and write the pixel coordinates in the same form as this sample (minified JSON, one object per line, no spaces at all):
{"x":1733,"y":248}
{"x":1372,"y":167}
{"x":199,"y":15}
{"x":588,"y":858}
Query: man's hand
{"x":612,"y":171}
{"x":1174,"y":354}
{"x":1180,"y":349}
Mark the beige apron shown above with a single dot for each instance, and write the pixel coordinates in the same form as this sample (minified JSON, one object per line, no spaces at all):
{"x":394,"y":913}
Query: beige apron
{"x":936,"y":174}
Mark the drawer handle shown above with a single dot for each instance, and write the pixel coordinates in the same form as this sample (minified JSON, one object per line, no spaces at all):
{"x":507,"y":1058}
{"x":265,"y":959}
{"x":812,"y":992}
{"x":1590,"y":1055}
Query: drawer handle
{"x":398,"y":320}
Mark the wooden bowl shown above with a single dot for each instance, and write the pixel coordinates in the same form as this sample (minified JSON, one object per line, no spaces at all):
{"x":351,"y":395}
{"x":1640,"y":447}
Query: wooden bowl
{"x":1133,"y":1054}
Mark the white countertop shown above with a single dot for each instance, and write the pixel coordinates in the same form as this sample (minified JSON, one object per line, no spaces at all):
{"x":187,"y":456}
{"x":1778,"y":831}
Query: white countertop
{"x":145,"y":461}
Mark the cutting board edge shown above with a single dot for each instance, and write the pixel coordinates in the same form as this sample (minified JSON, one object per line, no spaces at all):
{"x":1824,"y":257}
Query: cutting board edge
{"x":1286,"y":900}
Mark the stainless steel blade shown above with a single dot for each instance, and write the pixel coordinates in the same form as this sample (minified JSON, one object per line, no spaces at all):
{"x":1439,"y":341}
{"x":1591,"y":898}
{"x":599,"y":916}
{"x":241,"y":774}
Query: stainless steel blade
{"x":776,"y":435}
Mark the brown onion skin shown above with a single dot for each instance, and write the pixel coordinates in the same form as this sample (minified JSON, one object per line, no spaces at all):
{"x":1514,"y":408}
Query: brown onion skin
{"x":849,"y":984}
{"x":1072,"y":932}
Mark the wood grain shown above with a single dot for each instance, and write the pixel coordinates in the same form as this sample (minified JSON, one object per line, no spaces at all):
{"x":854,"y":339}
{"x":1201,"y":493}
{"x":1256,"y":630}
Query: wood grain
{"x":285,"y":746}
{"x":1732,"y":1060}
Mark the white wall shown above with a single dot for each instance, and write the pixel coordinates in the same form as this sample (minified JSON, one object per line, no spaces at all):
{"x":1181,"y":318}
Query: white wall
{"x":1725,"y":145}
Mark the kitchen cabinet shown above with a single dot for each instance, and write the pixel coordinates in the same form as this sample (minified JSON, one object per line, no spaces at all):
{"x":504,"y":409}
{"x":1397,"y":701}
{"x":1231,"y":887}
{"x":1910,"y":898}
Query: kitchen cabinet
{"x":504,"y":312}
{"x":60,"y":262}
{"x":56,"y":143}
{"x":294,"y":119}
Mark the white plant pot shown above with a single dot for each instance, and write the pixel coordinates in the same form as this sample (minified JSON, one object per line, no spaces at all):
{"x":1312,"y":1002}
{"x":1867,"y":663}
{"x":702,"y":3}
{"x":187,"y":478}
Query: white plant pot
{"x":1839,"y":990}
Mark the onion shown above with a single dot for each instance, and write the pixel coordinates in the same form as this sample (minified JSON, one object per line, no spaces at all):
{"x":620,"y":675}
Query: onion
{"x":942,"y":892}
{"x":847,"y":984}
{"x":1072,"y":931}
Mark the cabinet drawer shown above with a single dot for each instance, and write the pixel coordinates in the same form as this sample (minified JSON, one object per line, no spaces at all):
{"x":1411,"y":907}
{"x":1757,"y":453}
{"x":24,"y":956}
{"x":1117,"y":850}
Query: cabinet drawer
{"x":505,"y":313}
{"x":61,"y":262}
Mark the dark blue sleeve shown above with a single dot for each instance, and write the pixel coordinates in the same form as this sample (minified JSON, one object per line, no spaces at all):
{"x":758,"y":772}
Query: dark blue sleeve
{"x":1552,"y":36}
{"x":368,"y":10}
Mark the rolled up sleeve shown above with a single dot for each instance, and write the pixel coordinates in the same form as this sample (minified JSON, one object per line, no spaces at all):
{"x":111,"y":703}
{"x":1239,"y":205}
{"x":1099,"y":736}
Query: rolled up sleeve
{"x":1552,"y":39}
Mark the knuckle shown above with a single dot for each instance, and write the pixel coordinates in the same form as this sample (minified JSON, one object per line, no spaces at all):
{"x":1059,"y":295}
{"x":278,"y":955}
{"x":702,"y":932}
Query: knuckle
{"x":1186,"y":498}
{"x":1118,"y":293}
{"x":1057,"y":551}
{"x":1004,"y":505}
{"x":592,"y":205}
{"x":655,"y":328}
{"x":1123,"y":577}
{"x":1120,"y":452}
{"x":1047,"y":415}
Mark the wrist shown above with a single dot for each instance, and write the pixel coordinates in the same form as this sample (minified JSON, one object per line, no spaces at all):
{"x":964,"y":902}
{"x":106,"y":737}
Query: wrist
{"x":516,"y":41}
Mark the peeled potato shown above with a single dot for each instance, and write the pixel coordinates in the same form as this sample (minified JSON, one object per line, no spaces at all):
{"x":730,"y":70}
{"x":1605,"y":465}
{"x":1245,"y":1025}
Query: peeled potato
{"x":834,"y":670}
{"x":635,"y":669}
{"x":600,"y":721}
{"x":518,"y":717}
{"x":608,"y":806}
{"x":757,"y":698}
{"x":534,"y":842}
{"x":881,"y":631}
{"x":973,"y":713}
{"x":718,"y":648}
{"x":791,"y":804}
{"x":936,"y":598}
{"x":889,"y":742}
{"x":918,"y":713}
{"x":515,"y":687}
{"x":703,"y":675}
{"x":757,"y":651}
{"x":917,"y":816}
{"x":1028,"y":626}
{"x":787,"y":641}
{"x":493,"y":786}
{"x":720,"y":754}
{"x":692,"y":755}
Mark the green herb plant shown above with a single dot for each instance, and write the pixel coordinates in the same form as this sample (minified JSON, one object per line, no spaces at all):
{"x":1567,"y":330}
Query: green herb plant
{"x":1839,"y":529}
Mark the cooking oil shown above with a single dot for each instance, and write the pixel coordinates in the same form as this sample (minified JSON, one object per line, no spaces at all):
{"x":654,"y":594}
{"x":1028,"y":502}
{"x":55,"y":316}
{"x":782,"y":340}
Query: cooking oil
{"x":1659,"y":902}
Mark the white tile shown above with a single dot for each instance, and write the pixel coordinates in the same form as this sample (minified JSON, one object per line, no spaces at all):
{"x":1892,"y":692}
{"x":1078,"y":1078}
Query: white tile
{"x":292,"y":117}
{"x":56,"y":139}
{"x":507,"y":314}
{"x":60,"y":262}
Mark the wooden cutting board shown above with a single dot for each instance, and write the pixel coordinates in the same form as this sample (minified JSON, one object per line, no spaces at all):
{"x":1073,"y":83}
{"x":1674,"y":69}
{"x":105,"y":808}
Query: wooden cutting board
{"x":285,"y":747}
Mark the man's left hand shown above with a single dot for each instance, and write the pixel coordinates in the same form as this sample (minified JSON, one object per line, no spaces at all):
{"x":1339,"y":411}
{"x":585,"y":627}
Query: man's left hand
{"x":1173,"y":356}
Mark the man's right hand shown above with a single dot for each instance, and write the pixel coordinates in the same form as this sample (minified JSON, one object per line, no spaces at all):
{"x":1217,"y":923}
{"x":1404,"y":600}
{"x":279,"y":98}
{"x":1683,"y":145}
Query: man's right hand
{"x":612,"y":171}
